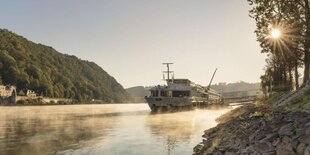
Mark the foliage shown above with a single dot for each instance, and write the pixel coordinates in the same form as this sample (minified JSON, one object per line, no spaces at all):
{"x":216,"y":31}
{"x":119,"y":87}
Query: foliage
{"x":291,"y":50}
{"x":272,"y":98}
{"x":267,"y":115}
{"x":49,"y":73}
{"x":264,"y":111}
{"x":235,"y":87}
{"x":30,"y":101}
{"x":138,"y":93}
{"x":302,"y":102}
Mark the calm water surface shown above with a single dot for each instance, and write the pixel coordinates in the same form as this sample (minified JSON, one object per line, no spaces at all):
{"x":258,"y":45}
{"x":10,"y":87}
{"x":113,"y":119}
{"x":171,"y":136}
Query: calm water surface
{"x":118,"y":129}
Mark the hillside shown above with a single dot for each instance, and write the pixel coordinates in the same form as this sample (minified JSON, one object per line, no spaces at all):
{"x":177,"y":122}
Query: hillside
{"x":50,"y":73}
{"x":138,"y":93}
{"x":235,"y":87}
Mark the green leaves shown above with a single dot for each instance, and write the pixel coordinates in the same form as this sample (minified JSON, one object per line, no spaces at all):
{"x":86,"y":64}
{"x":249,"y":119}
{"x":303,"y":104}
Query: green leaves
{"x":50,"y":73}
{"x":288,"y":52}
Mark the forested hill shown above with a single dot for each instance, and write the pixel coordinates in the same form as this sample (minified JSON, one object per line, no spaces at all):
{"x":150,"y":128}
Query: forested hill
{"x":138,"y":93}
{"x":235,"y":87}
{"x":50,"y":73}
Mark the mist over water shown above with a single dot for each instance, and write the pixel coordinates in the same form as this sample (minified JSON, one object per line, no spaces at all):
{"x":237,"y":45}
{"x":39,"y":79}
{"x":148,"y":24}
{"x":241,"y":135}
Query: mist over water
{"x":114,"y":129}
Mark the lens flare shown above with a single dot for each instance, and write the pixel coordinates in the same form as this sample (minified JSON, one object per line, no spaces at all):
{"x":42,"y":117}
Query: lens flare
{"x":275,"y":33}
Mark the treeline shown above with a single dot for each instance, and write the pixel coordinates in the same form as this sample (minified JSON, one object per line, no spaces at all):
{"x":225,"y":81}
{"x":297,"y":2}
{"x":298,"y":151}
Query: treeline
{"x":49,"y":73}
{"x":138,"y":93}
{"x":235,"y":87}
{"x":288,"y":50}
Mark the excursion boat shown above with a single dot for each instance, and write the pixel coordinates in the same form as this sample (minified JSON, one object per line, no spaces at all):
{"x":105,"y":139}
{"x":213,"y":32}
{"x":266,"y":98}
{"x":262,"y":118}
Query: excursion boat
{"x":181,"y":94}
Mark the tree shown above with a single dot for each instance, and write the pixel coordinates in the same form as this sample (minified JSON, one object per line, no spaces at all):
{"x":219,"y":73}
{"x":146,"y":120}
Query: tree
{"x":291,"y":50}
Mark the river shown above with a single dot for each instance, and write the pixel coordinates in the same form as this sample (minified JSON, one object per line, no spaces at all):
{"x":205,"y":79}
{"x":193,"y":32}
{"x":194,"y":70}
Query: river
{"x":109,"y":129}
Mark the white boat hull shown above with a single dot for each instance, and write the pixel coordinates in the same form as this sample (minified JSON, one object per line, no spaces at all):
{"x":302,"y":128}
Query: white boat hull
{"x":172,"y":103}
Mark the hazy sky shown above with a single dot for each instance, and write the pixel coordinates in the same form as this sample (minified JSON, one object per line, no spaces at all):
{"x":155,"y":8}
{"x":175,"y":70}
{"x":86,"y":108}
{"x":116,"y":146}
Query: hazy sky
{"x":131,"y":38}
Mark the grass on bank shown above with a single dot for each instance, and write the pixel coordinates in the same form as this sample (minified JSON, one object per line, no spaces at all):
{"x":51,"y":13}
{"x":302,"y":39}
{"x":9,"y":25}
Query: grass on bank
{"x":301,"y":102}
{"x":272,"y":98}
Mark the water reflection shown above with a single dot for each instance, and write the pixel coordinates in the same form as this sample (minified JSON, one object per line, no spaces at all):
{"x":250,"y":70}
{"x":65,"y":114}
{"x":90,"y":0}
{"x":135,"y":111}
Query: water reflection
{"x":182,"y":129}
{"x":46,"y":130}
{"x":101,"y":129}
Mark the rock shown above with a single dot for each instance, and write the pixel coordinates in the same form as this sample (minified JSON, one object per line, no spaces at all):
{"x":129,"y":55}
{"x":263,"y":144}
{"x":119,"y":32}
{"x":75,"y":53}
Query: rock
{"x":263,"y":147}
{"x":304,"y":139}
{"x":204,"y":141}
{"x":252,"y":137}
{"x":276,"y":142}
{"x":229,"y":153}
{"x":217,"y":153}
{"x":243,"y":144}
{"x":295,"y":143}
{"x":248,"y":150}
{"x":260,"y":135}
{"x":286,"y":130}
{"x":198,"y":147}
{"x":301,"y":148}
{"x":254,"y":125}
{"x":307,"y":131}
{"x":307,"y":150}
{"x":285,"y":148}
{"x":270,"y":137}
{"x":287,"y":133}
{"x":286,"y":140}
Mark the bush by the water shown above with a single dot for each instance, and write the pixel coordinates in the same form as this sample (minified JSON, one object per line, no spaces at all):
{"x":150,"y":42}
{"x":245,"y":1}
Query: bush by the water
{"x":40,"y":101}
{"x":30,"y":101}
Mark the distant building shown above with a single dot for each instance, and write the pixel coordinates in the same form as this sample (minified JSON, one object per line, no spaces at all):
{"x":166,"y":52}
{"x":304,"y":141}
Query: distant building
{"x":29,"y":93}
{"x":7,"y":94}
{"x":6,"y":91}
{"x":21,"y":93}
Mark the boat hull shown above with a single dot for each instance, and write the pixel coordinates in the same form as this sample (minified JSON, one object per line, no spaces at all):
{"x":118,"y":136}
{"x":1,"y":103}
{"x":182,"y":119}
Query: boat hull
{"x":172,"y":103}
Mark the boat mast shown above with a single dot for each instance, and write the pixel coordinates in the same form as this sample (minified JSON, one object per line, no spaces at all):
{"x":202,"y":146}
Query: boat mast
{"x":168,"y":71}
{"x":211,"y":79}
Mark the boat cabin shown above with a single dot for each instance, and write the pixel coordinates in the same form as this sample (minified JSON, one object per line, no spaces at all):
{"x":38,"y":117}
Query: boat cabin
{"x":175,"y":88}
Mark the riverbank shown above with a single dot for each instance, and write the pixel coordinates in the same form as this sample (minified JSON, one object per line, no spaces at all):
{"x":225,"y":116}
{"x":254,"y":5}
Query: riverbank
{"x":43,"y":101}
{"x":64,"y":103}
{"x":254,"y":129}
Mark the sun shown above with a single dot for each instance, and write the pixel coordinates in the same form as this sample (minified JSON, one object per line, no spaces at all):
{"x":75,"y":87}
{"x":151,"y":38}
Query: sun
{"x":275,"y":33}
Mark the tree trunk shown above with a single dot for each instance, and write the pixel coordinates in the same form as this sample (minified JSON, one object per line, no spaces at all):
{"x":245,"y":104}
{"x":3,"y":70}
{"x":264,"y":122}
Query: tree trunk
{"x":284,"y":78}
{"x":296,"y":74}
{"x":290,"y":77}
{"x":306,"y":63}
{"x":307,"y":43}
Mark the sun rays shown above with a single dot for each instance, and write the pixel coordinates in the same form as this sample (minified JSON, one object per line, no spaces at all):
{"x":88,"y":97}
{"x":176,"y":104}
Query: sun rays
{"x":275,"y":33}
{"x":282,"y":39}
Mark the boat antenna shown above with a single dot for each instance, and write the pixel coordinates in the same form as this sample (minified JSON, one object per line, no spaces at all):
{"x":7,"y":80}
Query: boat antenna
{"x":168,"y":71}
{"x":211,"y":79}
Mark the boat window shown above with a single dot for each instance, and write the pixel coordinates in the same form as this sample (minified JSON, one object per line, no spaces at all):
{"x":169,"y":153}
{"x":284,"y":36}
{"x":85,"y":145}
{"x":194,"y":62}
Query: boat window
{"x":154,"y":93}
{"x":163,"y":93}
{"x":180,"y":93}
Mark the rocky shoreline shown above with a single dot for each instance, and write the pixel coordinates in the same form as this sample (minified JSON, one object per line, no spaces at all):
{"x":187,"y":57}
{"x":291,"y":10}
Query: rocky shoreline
{"x":257,"y":130}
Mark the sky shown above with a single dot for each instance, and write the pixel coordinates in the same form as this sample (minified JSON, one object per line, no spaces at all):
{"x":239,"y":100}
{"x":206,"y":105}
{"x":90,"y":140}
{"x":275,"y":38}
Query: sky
{"x":130,"y":39}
